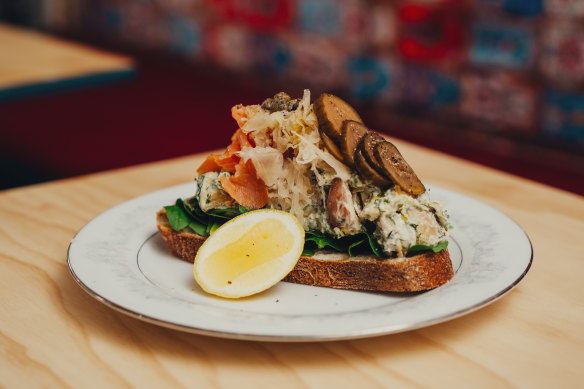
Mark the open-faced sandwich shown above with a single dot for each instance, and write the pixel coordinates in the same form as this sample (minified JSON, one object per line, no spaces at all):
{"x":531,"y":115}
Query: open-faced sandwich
{"x":369,"y":222}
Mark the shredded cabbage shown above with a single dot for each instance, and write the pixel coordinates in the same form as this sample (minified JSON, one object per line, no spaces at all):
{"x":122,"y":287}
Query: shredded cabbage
{"x":290,"y":157}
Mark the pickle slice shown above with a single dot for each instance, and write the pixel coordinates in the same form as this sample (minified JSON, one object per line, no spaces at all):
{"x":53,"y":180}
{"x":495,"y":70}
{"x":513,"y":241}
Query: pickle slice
{"x":331,"y":112}
{"x":351,"y":134}
{"x":331,"y":146}
{"x":397,"y":169}
{"x":368,"y":173}
{"x":367,"y":146}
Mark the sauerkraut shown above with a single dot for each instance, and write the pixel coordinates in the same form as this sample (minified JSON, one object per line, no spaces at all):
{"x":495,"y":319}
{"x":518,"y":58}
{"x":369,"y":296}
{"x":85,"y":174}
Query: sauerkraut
{"x":290,"y":158}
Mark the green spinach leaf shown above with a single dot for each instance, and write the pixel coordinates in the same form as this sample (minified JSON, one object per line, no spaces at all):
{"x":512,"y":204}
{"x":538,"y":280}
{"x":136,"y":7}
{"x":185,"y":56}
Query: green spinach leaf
{"x":323,"y":241}
{"x":228,"y":213}
{"x":199,"y":228}
{"x":351,"y":244}
{"x":189,"y":213}
{"x":373,"y":245}
{"x":355,"y":245}
{"x":242,"y":210}
{"x":177,"y":218}
{"x":192,"y":211}
{"x":419,"y":248}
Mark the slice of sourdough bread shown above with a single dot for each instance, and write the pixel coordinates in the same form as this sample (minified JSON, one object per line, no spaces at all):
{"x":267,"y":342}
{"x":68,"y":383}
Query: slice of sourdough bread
{"x":408,"y":274}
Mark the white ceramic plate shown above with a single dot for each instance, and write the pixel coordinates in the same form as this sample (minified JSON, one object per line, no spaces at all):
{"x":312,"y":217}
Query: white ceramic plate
{"x":120,"y":260}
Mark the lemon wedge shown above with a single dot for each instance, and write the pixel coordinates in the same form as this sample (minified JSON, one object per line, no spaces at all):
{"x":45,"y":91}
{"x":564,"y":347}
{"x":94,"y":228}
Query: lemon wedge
{"x":249,"y":253}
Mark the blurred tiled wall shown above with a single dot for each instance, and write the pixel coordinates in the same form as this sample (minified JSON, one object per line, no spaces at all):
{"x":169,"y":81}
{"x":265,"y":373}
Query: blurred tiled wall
{"x":506,"y":66}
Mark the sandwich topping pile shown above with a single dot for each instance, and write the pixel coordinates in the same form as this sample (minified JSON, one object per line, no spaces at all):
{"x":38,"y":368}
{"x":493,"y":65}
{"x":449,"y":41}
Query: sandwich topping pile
{"x":349,"y":188}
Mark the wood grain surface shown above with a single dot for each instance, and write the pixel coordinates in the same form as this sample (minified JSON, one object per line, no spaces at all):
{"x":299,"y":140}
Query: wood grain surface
{"x":28,"y":57}
{"x":53,"y":334}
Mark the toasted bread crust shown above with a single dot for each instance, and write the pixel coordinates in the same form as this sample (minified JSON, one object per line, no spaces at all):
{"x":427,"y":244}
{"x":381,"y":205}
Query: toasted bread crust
{"x":421,"y":272}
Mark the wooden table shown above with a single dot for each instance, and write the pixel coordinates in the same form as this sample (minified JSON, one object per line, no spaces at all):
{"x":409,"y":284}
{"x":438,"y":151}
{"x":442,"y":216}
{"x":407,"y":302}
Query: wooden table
{"x":54,"y":334}
{"x":32,"y":63}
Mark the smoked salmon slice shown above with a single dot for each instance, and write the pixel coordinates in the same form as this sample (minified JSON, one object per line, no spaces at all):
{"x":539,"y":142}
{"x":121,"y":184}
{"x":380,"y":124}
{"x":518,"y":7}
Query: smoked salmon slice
{"x":209,"y":165}
{"x":245,"y":187}
{"x":229,"y":159}
{"x":239,"y":113}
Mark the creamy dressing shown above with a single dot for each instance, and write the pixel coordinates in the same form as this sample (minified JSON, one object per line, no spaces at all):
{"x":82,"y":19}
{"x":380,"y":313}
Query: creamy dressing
{"x":403,"y":221}
{"x":211,"y":194}
{"x":399,"y":221}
